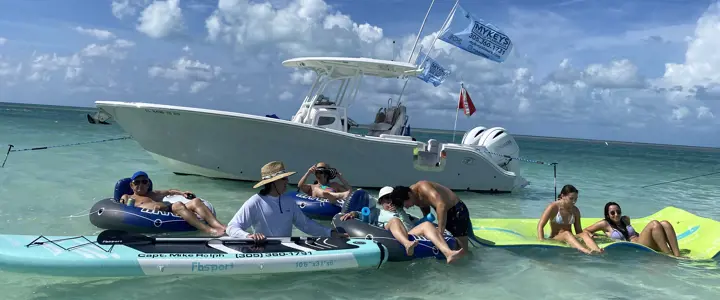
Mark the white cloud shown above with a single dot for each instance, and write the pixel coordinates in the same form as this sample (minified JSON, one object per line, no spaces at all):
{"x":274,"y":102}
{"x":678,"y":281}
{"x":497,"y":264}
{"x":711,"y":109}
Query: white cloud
{"x":97,"y":33}
{"x":198,"y":86}
{"x":702,"y":60}
{"x":161,"y":18}
{"x":186,"y":69}
{"x":2,"y":41}
{"x":114,"y":51}
{"x":285,"y":96}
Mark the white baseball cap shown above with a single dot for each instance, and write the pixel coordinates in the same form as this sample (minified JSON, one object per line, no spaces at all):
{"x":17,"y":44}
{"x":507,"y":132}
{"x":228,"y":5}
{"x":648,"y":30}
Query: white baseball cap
{"x":385,"y":191}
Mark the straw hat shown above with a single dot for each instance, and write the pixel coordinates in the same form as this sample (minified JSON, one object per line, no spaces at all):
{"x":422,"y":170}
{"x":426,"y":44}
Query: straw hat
{"x":272,"y":171}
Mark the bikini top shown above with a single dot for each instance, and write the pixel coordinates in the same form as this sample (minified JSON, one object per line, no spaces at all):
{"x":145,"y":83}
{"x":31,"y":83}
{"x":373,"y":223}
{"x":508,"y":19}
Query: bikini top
{"x":327,"y":187}
{"x":559,"y":219}
{"x":617,"y":235}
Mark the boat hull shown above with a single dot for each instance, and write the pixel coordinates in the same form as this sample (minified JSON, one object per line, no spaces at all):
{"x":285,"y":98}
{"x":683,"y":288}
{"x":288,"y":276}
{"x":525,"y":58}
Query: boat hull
{"x":229,"y":145}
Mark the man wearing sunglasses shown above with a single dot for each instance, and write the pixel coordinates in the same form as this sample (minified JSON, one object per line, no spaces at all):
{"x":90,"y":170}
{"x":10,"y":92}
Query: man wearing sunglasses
{"x":191,"y":209}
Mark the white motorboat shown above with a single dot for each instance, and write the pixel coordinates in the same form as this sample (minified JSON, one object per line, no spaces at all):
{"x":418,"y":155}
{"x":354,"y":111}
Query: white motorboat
{"x":231,"y":145}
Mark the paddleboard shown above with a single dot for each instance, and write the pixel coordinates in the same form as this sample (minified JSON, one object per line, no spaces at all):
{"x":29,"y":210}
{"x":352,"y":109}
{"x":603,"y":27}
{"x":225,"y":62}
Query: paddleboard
{"x":139,"y":255}
{"x":698,"y":237}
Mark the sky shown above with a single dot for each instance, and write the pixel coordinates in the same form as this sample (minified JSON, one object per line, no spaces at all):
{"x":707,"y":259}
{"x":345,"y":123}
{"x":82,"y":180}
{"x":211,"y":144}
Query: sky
{"x":641,"y":71}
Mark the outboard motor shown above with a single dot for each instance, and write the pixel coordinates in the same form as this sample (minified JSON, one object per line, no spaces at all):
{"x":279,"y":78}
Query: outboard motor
{"x":472,"y":137}
{"x":498,"y":141}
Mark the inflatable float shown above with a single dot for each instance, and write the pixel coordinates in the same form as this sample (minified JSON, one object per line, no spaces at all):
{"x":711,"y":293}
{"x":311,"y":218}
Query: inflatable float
{"x":120,"y":254}
{"x":698,"y":237}
{"x":371,"y":226}
{"x":322,"y":209}
{"x":109,"y":213}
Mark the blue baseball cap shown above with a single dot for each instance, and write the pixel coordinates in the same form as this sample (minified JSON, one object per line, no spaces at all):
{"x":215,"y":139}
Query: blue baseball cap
{"x":138,"y":174}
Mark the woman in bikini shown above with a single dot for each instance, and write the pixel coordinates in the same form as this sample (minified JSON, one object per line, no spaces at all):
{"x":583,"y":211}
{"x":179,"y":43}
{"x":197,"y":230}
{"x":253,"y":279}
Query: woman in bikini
{"x":323,"y":187}
{"x":563,"y":215}
{"x":659,"y":236}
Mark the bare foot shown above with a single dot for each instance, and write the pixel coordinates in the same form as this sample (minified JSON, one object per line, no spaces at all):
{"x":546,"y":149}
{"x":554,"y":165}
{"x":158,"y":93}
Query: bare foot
{"x":346,"y":194}
{"x":410,"y":247}
{"x":215,"y":232}
{"x":454,"y":255}
{"x":598,"y":251}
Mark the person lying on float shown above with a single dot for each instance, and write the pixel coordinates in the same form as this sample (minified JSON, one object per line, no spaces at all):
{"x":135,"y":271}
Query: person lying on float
{"x":324,"y":187}
{"x":657,"y":235}
{"x":192,"y":209}
{"x":401,"y":226}
{"x":271,"y":215}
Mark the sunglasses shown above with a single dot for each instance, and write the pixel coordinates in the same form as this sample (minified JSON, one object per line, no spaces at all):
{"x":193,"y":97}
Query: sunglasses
{"x":615,"y":212}
{"x":143,"y":181}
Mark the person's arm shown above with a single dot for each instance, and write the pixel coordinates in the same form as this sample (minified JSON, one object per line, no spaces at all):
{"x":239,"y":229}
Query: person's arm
{"x":578,"y":220}
{"x":242,"y":220}
{"x":598,"y":226}
{"x":543,"y":221}
{"x":301,"y":184}
{"x":307,"y":225}
{"x":345,"y":184}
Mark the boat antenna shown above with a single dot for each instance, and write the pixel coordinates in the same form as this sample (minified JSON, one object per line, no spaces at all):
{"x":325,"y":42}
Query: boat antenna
{"x":681,"y":179}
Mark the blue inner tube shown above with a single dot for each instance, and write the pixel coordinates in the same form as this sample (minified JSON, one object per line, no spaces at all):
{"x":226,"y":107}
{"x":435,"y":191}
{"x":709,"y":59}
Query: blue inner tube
{"x":109,"y":213}
{"x":322,"y":209}
{"x":357,"y":228}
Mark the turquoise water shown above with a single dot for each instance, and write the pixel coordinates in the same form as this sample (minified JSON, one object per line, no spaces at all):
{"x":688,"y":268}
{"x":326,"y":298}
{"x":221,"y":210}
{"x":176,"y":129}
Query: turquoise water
{"x":42,"y":189}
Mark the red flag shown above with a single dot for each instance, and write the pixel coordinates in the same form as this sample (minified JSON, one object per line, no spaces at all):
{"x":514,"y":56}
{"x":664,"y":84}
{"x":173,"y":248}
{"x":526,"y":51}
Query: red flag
{"x":466,"y":103}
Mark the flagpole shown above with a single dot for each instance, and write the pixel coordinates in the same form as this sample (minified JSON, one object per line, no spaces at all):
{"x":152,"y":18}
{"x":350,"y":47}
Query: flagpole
{"x":457,"y":111}
{"x":407,"y":79}
{"x":420,"y":32}
{"x":432,"y":45}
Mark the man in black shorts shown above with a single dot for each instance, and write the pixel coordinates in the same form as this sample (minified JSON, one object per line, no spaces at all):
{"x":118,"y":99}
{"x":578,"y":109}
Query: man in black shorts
{"x":452,"y":214}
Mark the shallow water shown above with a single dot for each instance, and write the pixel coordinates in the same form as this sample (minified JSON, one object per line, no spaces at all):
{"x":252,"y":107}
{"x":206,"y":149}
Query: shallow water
{"x":41,"y":189}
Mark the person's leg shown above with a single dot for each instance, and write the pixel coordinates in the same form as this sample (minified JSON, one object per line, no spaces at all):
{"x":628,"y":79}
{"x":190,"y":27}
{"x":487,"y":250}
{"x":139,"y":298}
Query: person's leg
{"x":398,"y":231}
{"x":671,"y":237}
{"x":198,"y":206}
{"x":429,"y":231}
{"x":458,"y":224}
{"x":179,"y":209}
{"x":590,"y":242}
{"x":569,"y":238}
{"x":332,"y":196}
{"x":653,"y":236}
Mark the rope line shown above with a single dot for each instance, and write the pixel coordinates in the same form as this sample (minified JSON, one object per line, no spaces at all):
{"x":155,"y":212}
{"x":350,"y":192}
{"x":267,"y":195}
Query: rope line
{"x":553,"y":164}
{"x":10,"y":147}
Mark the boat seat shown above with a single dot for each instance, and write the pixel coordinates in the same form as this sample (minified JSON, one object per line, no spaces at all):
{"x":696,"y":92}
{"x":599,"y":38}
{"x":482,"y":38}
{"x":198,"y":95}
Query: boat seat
{"x":380,"y":127}
{"x":122,"y":187}
{"x":433,"y":146}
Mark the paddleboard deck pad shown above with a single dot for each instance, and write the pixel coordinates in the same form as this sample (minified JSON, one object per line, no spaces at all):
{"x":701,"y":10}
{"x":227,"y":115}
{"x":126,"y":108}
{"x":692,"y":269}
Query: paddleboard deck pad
{"x":698,"y":237}
{"x":84,"y":256}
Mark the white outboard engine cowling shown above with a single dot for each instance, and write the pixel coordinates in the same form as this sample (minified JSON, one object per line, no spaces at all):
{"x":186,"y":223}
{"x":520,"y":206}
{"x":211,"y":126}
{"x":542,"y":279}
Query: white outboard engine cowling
{"x":498,"y":141}
{"x":472,"y":137}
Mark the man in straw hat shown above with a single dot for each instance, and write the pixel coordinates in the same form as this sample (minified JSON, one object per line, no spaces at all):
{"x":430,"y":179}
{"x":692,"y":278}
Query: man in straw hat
{"x":269,"y":214}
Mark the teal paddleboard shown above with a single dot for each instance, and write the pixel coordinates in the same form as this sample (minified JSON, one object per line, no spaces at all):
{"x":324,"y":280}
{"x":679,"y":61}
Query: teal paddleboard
{"x":119,"y":254}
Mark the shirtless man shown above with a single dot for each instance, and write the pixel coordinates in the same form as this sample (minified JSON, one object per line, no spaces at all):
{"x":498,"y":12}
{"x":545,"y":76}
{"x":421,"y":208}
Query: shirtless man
{"x":189,"y":211}
{"x":324,"y":188}
{"x":451,"y":211}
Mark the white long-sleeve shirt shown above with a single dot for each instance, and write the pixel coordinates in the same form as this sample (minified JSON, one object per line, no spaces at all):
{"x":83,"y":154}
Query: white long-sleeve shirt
{"x":273,"y":217}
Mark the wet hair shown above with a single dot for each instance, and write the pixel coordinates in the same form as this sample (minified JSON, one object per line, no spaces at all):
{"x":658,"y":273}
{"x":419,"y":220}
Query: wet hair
{"x":399,"y":195}
{"x":566,"y":190}
{"x":623,"y":227}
